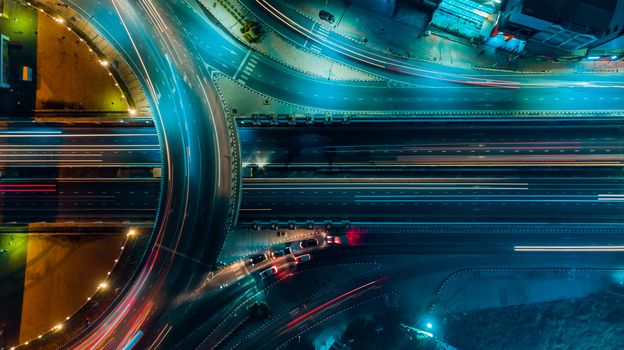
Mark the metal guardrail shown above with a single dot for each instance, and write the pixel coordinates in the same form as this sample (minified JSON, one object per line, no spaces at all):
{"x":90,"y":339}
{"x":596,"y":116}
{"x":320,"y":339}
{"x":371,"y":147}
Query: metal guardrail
{"x":415,"y":116}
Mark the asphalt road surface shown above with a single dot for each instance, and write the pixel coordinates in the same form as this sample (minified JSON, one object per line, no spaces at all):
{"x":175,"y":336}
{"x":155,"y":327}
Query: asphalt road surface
{"x":519,"y":173}
{"x":81,"y":174}
{"x":175,"y":50}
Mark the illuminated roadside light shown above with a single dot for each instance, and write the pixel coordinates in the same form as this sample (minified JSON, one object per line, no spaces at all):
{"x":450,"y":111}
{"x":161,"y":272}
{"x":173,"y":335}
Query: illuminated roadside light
{"x":104,"y":63}
{"x":132,"y":232}
{"x":59,"y":20}
{"x":260,"y":164}
{"x":429,"y":325}
{"x":103,"y":285}
{"x":25,"y":343}
{"x":58,"y":327}
{"x":40,"y":336}
{"x":132,"y":111}
{"x":614,"y":57}
{"x":593,"y":58}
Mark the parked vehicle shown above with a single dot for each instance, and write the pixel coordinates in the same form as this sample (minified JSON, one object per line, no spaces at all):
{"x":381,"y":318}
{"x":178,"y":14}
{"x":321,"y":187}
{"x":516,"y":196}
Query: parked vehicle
{"x":303,"y":258}
{"x":279,"y":253}
{"x":256,"y":259}
{"x":271,"y":271}
{"x":327,"y":17}
{"x":308,"y":243}
{"x":337,"y":240}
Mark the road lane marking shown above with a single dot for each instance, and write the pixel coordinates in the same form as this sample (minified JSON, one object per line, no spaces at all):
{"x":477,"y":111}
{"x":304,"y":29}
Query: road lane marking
{"x":240,"y":66}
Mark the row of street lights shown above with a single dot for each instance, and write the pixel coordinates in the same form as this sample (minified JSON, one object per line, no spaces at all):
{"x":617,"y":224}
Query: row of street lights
{"x":102,"y":286}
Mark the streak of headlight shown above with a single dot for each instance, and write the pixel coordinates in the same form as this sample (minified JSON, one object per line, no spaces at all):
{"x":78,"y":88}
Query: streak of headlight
{"x":328,"y":303}
{"x":368,"y":57}
{"x":138,"y":286}
{"x":581,"y":248}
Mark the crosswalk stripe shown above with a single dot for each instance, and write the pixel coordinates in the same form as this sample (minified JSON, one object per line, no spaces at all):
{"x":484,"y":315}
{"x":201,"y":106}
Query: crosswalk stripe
{"x":315,"y":48}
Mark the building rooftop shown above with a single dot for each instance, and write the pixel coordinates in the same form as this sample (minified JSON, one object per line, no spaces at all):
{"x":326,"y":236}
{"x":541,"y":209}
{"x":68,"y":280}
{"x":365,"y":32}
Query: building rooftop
{"x":592,"y":14}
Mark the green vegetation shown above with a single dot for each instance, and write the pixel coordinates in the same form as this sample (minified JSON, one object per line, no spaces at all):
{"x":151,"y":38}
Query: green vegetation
{"x":259,"y":311}
{"x":252,"y":31}
{"x":594,"y":322}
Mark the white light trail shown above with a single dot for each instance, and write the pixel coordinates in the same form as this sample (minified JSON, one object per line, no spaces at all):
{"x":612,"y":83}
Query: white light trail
{"x":580,"y":248}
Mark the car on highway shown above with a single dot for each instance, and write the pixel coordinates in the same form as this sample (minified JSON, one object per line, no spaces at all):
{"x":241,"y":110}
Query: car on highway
{"x":257,"y":258}
{"x":271,"y":271}
{"x":337,"y":240}
{"x":308,"y":243}
{"x":303,"y":258}
{"x":279,"y":253}
{"x":326,"y":16}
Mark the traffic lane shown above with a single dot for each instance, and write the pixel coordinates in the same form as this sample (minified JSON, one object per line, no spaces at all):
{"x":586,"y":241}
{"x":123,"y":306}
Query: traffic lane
{"x":479,"y":242}
{"x":113,"y":200}
{"x":370,"y":96}
{"x":180,"y":110}
{"x":201,"y":331}
{"x":49,"y":145}
{"x":460,"y":201}
{"x":197,"y":149}
{"x":52,"y":133}
{"x":341,"y":96}
{"x":227,"y":294}
{"x":268,"y":77}
{"x":446,"y":132}
{"x":305,"y":146}
{"x":207,"y":317}
{"x":419,"y":278}
{"x":85,"y":156}
{"x":233,"y":324}
{"x":316,"y":35}
{"x":284,"y":327}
